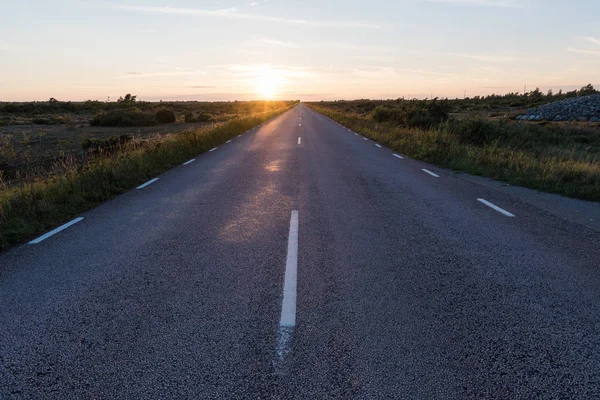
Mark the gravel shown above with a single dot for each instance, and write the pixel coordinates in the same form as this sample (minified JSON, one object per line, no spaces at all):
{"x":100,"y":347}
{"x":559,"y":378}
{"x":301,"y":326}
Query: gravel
{"x":583,"y":109}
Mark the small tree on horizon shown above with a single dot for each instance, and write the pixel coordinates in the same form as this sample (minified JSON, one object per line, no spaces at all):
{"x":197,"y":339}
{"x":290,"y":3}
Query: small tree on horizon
{"x":128,"y":99}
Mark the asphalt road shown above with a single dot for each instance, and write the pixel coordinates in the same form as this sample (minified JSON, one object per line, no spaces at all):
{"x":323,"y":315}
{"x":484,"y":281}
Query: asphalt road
{"x":401,"y":284}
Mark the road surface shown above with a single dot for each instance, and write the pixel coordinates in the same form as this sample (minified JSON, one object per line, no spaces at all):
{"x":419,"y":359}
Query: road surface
{"x":302,"y":261}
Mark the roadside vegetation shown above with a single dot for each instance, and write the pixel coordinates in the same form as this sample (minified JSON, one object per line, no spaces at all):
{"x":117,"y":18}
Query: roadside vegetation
{"x":38,"y":199}
{"x":37,"y":134}
{"x":555,"y":157}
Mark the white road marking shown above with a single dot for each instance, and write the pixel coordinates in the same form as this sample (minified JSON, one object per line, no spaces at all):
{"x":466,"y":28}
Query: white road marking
{"x":229,"y":141}
{"x":399,"y":156}
{"x":355,"y":134}
{"x":288,"y":306}
{"x":495,"y":207}
{"x":150,"y":182}
{"x":365,"y":138}
{"x":189,"y":162}
{"x":299,"y":140}
{"x":349,"y":130}
{"x":211,"y":150}
{"x":55,"y":231}
{"x":430,"y":173}
{"x":240,"y":135}
{"x":378,"y":145}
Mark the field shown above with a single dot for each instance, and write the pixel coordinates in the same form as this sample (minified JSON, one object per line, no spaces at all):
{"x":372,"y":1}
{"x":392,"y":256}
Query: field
{"x":561,"y":157}
{"x":40,"y":132}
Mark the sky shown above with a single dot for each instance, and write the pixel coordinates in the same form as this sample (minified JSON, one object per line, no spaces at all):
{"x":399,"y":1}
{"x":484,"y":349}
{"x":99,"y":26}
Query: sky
{"x":308,"y":50}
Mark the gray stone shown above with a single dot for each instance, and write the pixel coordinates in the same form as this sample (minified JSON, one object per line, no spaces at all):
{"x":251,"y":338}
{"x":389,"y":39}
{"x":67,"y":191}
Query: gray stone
{"x":531,"y":117}
{"x":582,"y":119}
{"x":539,"y":118}
{"x":594,"y":119}
{"x":571,"y":109}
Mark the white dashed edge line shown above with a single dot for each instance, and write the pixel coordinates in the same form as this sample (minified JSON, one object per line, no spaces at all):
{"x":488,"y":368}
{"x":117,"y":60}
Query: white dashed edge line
{"x":495,"y":207}
{"x":55,"y":231}
{"x":430,"y":173}
{"x":150,"y":182}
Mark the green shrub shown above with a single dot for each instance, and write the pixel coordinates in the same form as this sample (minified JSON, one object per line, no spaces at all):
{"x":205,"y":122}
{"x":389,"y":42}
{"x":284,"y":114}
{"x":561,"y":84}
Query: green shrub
{"x":111,"y":143}
{"x":41,"y":121}
{"x":191,"y":117}
{"x":473,"y":131}
{"x":165,"y":116}
{"x":413,"y":114}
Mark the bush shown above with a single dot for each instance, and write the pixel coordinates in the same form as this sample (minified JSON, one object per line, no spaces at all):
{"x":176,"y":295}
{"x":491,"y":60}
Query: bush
{"x":111,"y":143}
{"x":473,"y":131}
{"x":123,"y":118}
{"x":413,"y":114}
{"x":165,"y":116}
{"x":388,"y":114}
{"x":191,"y":117}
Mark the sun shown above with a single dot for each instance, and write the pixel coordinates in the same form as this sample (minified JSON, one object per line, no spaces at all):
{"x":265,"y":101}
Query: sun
{"x":266,"y":85}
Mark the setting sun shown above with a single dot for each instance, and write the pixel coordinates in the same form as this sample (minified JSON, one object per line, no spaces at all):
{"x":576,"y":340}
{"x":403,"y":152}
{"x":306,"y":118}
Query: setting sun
{"x":266,"y":85}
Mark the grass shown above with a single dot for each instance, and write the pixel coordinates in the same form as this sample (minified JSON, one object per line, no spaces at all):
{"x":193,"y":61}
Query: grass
{"x":32,"y":208}
{"x":537,"y":156}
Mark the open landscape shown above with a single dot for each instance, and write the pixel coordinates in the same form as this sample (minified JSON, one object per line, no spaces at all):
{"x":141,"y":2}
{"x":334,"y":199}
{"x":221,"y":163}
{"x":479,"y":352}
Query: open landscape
{"x":280,"y":200}
{"x":490,"y":136}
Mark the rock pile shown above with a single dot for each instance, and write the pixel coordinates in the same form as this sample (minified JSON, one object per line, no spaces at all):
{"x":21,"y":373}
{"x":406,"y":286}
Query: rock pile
{"x":585,"y":108}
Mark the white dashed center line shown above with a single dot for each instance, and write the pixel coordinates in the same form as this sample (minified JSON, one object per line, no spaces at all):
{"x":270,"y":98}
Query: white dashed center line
{"x":398,"y":156}
{"x":288,"y":306}
{"x":378,"y":145}
{"x":150,"y":182}
{"x":365,"y":138}
{"x":430,"y":173}
{"x":211,"y":150}
{"x":495,"y":207}
{"x":229,"y":141}
{"x":55,"y":231}
{"x":189,"y":162}
{"x":299,"y":140}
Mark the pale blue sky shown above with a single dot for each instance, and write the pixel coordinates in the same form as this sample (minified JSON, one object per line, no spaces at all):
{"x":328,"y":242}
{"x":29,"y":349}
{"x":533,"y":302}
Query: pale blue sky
{"x":236,"y":49}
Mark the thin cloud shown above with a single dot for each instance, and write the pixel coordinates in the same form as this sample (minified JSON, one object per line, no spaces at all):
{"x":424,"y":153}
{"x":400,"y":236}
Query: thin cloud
{"x":485,"y":3}
{"x":281,"y":43}
{"x":231,"y":14}
{"x":490,"y":58}
{"x":177,"y":72}
{"x":9,"y":46}
{"x":593,"y":40}
{"x":310,"y":45}
{"x":202,"y":87}
{"x":584,"y":51}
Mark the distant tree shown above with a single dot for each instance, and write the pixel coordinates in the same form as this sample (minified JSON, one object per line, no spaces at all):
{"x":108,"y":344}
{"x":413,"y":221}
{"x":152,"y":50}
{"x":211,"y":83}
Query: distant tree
{"x":536,"y":94}
{"x":550,"y":93}
{"x":52,"y":100}
{"x":587,"y":90}
{"x":128,"y":99}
